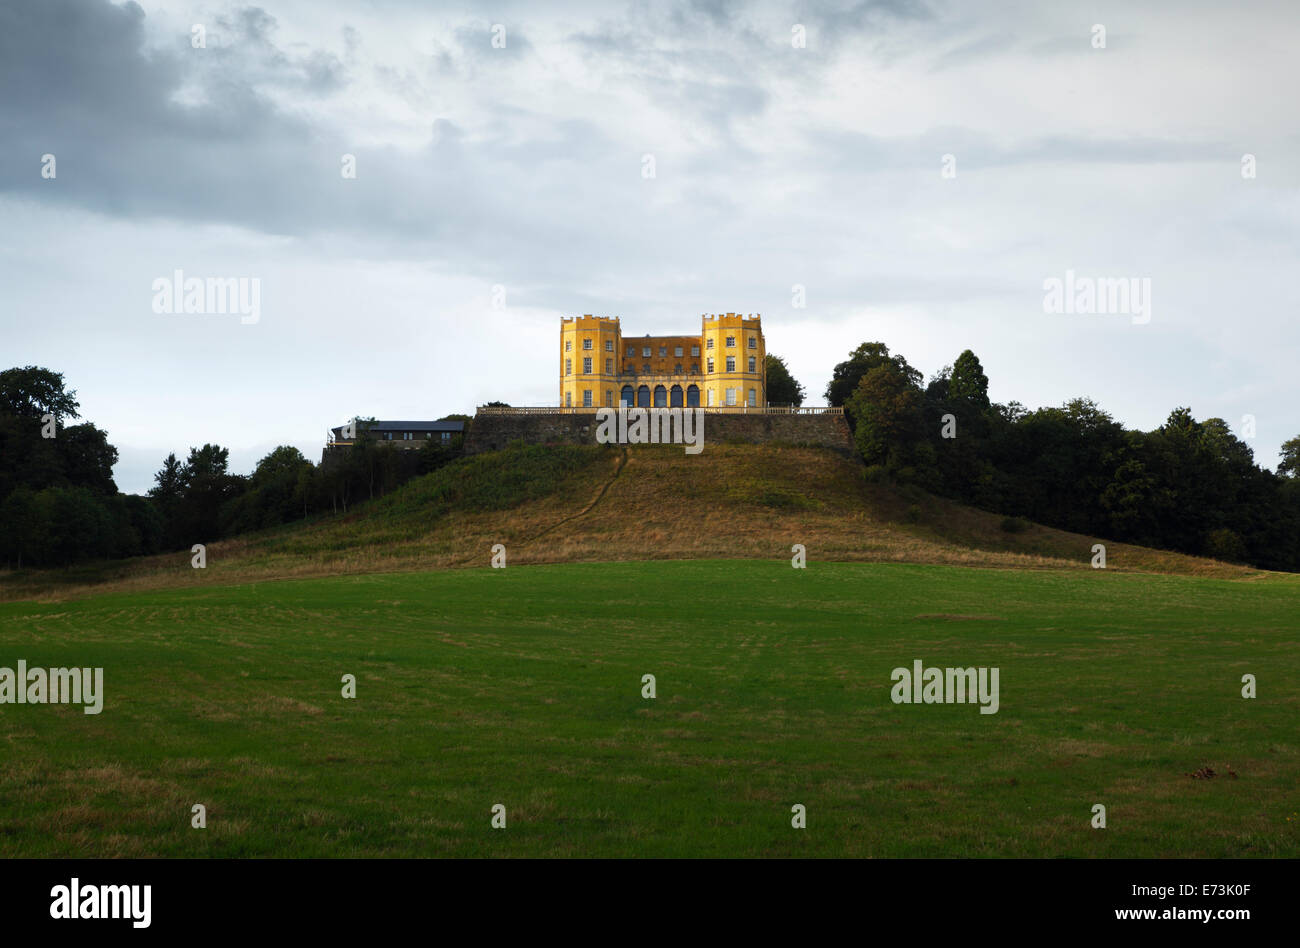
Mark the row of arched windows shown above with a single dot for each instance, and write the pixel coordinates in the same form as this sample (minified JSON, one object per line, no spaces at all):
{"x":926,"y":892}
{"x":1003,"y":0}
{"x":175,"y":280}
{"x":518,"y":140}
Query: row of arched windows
{"x":662,"y":397}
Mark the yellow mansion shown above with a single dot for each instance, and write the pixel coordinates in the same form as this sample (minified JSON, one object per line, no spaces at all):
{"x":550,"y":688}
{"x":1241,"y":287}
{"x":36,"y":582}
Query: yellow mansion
{"x":724,"y":366}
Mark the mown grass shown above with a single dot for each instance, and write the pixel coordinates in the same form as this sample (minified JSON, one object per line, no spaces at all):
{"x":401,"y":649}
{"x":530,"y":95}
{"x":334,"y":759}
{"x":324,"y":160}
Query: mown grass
{"x":523,"y":687}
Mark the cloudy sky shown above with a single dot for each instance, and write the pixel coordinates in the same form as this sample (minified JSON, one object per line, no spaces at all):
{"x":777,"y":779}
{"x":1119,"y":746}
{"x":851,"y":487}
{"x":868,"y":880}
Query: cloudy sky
{"x":523,"y":166}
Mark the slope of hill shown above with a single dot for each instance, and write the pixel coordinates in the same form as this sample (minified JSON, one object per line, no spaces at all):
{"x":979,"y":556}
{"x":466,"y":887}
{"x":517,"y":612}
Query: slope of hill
{"x":555,"y":504}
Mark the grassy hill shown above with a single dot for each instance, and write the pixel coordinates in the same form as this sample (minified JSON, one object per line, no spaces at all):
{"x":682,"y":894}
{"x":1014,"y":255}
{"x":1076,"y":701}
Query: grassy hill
{"x":561,"y":504}
{"x":522,"y":686}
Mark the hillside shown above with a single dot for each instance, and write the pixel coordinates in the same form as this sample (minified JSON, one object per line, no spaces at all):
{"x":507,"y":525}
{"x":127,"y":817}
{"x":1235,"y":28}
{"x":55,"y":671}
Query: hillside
{"x":556,"y":504}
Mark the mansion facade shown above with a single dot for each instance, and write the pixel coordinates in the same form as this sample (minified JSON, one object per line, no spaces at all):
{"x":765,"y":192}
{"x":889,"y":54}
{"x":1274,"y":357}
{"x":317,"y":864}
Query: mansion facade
{"x":724,"y":366}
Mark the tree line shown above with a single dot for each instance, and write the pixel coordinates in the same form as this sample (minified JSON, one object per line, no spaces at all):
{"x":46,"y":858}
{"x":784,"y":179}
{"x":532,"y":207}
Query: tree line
{"x":59,"y":504}
{"x":1190,"y":486}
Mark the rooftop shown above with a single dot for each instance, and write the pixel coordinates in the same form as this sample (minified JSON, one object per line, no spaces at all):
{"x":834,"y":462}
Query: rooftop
{"x":453,"y":425}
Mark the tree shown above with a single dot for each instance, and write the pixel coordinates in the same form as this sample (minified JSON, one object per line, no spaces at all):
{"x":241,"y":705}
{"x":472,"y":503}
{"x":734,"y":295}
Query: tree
{"x":283,"y":463}
{"x":276,"y":492}
{"x":888,"y":419}
{"x":959,"y":422}
{"x":1290,"y":463}
{"x":207,"y":463}
{"x":1056,"y":464}
{"x":206,"y":487}
{"x":88,"y":458}
{"x":936,"y":392}
{"x":33,"y":391}
{"x":1224,"y":544}
{"x":433,"y":454}
{"x":147,"y":522}
{"x":968,"y":383}
{"x":308,"y":488}
{"x":19,"y":540}
{"x":59,"y":526}
{"x":27,"y":459}
{"x":1136,"y":501}
{"x":168,"y":482}
{"x":782,"y":389}
{"x":846,"y":375}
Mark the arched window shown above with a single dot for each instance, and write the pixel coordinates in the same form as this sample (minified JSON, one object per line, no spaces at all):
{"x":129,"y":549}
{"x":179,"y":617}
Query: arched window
{"x":626,"y":396}
{"x":692,"y":396}
{"x":643,"y":397}
{"x":675,"y":397}
{"x":661,"y":397}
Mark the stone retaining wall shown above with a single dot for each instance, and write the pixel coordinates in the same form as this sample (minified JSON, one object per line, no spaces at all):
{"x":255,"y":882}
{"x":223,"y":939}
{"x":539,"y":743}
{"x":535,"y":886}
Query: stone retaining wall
{"x":491,"y":432}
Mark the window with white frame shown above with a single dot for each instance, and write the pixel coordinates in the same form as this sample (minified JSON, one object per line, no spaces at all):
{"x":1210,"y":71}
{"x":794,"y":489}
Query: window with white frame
{"x":731,"y":342}
{"x":586,"y":344}
{"x":568,"y":366}
{"x":752,"y":364}
{"x":709,"y":363}
{"x":753,"y":342}
{"x":731,"y":396}
{"x":753,"y":398}
{"x":586,"y":398}
{"x":731,"y":363}
{"x":695,"y":351}
{"x":586,"y":366}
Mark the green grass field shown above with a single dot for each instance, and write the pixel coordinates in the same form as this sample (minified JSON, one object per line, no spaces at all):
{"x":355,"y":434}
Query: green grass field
{"x":523,"y":687}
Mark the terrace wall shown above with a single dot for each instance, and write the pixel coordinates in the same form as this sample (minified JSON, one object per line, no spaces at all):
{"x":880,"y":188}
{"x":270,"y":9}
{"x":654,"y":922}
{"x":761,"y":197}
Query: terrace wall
{"x":492,"y":432}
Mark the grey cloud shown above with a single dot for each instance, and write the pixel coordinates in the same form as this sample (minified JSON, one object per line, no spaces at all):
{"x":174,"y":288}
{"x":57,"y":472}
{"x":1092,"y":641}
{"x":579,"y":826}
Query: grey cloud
{"x":836,"y":24}
{"x":544,"y":203}
{"x":969,"y":51}
{"x":865,"y":153}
